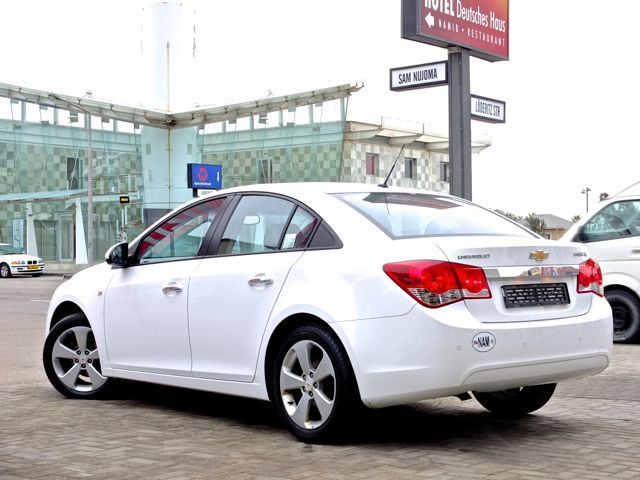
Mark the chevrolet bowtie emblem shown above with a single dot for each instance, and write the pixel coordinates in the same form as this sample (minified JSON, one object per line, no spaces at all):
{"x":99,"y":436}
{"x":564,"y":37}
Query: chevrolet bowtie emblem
{"x":539,"y":255}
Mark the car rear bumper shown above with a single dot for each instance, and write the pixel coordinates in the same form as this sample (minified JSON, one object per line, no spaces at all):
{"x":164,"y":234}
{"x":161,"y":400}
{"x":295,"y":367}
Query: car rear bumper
{"x":430,"y":353}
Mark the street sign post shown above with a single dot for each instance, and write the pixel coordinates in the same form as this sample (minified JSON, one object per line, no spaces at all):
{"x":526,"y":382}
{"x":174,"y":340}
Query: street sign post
{"x":418,"y":76}
{"x":465,"y":27}
{"x":488,"y":109}
{"x":481,"y":26}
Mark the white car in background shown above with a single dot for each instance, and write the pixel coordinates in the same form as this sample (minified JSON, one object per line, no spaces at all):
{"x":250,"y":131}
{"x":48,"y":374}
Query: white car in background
{"x":14,"y":262}
{"x":611,"y":234}
{"x":324,"y":297}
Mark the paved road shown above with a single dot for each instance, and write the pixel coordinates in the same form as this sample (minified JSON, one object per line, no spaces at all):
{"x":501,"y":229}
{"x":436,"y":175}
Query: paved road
{"x":589,"y":430}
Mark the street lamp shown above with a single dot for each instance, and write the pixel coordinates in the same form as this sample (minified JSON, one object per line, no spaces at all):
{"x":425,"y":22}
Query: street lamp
{"x":586,"y":191}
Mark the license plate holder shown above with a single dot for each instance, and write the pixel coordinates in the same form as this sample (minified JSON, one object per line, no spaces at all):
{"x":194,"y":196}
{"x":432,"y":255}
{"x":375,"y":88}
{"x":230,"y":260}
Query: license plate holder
{"x":535,"y":295}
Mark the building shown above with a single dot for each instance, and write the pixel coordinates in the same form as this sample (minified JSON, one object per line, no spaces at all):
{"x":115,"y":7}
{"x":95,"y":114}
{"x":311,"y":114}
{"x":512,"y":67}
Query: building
{"x":555,"y":226}
{"x":66,"y":161}
{"x":46,"y":182}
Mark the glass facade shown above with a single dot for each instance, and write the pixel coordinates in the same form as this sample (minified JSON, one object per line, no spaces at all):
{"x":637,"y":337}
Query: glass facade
{"x":44,"y":169}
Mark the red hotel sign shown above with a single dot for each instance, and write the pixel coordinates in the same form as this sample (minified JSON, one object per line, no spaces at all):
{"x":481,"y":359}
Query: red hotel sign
{"x":482,"y":26}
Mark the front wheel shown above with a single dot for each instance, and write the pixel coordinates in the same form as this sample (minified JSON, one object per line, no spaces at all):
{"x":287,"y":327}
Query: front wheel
{"x":626,"y":315}
{"x":5,"y":271}
{"x":71,"y":359}
{"x":313,"y":386}
{"x":516,"y":402}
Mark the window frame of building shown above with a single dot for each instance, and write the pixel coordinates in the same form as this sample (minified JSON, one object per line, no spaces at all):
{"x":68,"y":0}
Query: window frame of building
{"x":372,"y":164}
{"x":445,"y":173}
{"x":410,"y":168}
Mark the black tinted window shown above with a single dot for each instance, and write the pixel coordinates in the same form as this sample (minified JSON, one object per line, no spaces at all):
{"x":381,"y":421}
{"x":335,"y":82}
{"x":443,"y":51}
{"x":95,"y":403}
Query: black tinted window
{"x":404,"y":215}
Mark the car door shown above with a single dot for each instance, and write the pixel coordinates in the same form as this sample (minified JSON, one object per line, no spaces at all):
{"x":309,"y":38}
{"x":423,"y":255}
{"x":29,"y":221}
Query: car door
{"x":233,"y":292}
{"x":613,"y":238}
{"x":145,"y":317}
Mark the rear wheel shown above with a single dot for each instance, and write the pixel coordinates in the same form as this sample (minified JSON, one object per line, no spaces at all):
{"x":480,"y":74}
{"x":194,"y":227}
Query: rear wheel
{"x":312,"y":384}
{"x":5,"y":271}
{"x":626,"y":315}
{"x":516,"y":402}
{"x":71,"y":359}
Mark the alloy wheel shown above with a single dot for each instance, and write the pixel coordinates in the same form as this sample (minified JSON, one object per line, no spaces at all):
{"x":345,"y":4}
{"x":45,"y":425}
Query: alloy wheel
{"x":75,"y":360}
{"x":5,"y":272}
{"x":308,"y":384}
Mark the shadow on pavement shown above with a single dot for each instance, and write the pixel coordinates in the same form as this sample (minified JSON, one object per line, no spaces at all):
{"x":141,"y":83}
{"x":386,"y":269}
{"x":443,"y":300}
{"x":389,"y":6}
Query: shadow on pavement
{"x":417,"y":424}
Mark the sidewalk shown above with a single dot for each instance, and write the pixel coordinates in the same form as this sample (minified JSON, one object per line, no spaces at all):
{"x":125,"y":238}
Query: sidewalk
{"x":64,"y":269}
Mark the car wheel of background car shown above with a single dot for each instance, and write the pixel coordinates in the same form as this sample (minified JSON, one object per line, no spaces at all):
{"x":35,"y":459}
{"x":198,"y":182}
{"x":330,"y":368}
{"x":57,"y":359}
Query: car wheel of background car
{"x":313,"y":386}
{"x":71,"y":359}
{"x":516,"y":402}
{"x":626,"y":315}
{"x":5,"y":271}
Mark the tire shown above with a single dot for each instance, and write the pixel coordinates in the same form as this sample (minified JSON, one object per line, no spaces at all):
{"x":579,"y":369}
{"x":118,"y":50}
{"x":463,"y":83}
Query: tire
{"x":626,"y":315}
{"x":516,"y":402}
{"x":73,"y":374}
{"x":5,"y":271}
{"x":313,"y":386}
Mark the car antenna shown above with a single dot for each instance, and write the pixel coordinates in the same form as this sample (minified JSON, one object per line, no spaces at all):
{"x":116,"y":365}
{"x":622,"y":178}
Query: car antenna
{"x":386,"y":180}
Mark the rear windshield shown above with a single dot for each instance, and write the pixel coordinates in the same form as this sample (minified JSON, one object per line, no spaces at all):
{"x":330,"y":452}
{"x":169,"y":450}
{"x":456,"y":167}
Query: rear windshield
{"x":406,"y":215}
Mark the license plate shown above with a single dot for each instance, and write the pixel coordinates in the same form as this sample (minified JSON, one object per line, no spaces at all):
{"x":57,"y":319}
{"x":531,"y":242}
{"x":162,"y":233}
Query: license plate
{"x":33,"y":267}
{"x":535,"y":295}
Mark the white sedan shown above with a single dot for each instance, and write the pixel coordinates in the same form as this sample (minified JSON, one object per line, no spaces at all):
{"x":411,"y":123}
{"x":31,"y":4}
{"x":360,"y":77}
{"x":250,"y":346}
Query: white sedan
{"x":14,"y":262}
{"x":324,"y":297}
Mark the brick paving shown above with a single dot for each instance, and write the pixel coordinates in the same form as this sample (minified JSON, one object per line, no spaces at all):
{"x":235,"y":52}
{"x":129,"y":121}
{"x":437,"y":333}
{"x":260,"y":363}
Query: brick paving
{"x":589,"y":430}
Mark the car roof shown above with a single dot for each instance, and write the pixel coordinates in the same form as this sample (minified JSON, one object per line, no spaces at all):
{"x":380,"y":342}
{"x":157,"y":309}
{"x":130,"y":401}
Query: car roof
{"x":296,"y":189}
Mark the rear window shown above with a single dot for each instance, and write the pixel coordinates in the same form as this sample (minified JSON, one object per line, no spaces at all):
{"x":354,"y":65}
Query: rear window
{"x":406,"y":215}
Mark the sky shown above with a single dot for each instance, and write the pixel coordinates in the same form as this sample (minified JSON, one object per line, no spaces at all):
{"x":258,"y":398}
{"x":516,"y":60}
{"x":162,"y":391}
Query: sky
{"x":570,"y":85}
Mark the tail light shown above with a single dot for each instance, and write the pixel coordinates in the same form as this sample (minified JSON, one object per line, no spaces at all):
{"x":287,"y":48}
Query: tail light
{"x":435,"y":284}
{"x":590,"y":278}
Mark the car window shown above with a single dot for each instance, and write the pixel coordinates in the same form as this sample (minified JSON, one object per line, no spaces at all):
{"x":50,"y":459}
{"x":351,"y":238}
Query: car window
{"x":406,"y":215}
{"x":300,"y":229}
{"x":9,"y":250}
{"x":181,"y":236}
{"x":620,"y":219}
{"x":257,"y":225}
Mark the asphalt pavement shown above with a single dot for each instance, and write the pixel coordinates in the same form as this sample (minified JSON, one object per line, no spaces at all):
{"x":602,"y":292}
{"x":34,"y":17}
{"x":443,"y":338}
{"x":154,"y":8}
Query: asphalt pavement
{"x":589,"y":430}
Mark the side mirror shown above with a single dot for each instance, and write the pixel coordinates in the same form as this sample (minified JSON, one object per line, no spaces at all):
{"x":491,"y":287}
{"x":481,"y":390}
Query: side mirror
{"x":118,"y":255}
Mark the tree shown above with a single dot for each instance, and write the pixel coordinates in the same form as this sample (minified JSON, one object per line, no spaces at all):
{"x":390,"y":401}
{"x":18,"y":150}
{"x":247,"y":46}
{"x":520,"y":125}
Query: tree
{"x":575,"y":218}
{"x":536,"y":224}
{"x":510,"y":215}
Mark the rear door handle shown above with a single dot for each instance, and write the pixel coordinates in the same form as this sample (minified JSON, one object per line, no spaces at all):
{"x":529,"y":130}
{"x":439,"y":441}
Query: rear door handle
{"x":171,"y":289}
{"x":260,"y":280}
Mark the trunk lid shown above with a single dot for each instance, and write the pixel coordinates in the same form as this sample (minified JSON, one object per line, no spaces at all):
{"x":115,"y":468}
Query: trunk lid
{"x":530,"y":279}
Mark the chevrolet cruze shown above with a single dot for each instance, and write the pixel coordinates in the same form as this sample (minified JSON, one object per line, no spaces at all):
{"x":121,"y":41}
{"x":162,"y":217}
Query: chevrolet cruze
{"x":325,"y":297}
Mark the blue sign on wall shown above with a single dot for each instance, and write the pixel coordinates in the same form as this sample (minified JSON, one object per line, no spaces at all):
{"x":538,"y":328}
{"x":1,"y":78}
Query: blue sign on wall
{"x":204,"y":176}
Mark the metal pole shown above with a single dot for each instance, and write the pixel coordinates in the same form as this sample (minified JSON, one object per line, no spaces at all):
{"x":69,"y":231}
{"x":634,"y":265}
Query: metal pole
{"x":89,"y":191}
{"x":460,"y":122}
{"x":586,"y":191}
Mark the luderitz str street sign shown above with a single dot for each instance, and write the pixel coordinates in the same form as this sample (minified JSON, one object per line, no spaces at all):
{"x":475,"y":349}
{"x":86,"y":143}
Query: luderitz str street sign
{"x":482,"y":26}
{"x":488,"y":109}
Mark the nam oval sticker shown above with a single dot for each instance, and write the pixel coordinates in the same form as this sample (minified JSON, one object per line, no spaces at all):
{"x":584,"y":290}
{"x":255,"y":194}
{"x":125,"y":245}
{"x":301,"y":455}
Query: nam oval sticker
{"x":484,"y":341}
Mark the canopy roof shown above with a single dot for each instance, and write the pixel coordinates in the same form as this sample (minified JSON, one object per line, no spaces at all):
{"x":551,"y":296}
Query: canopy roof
{"x":169,"y":120}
